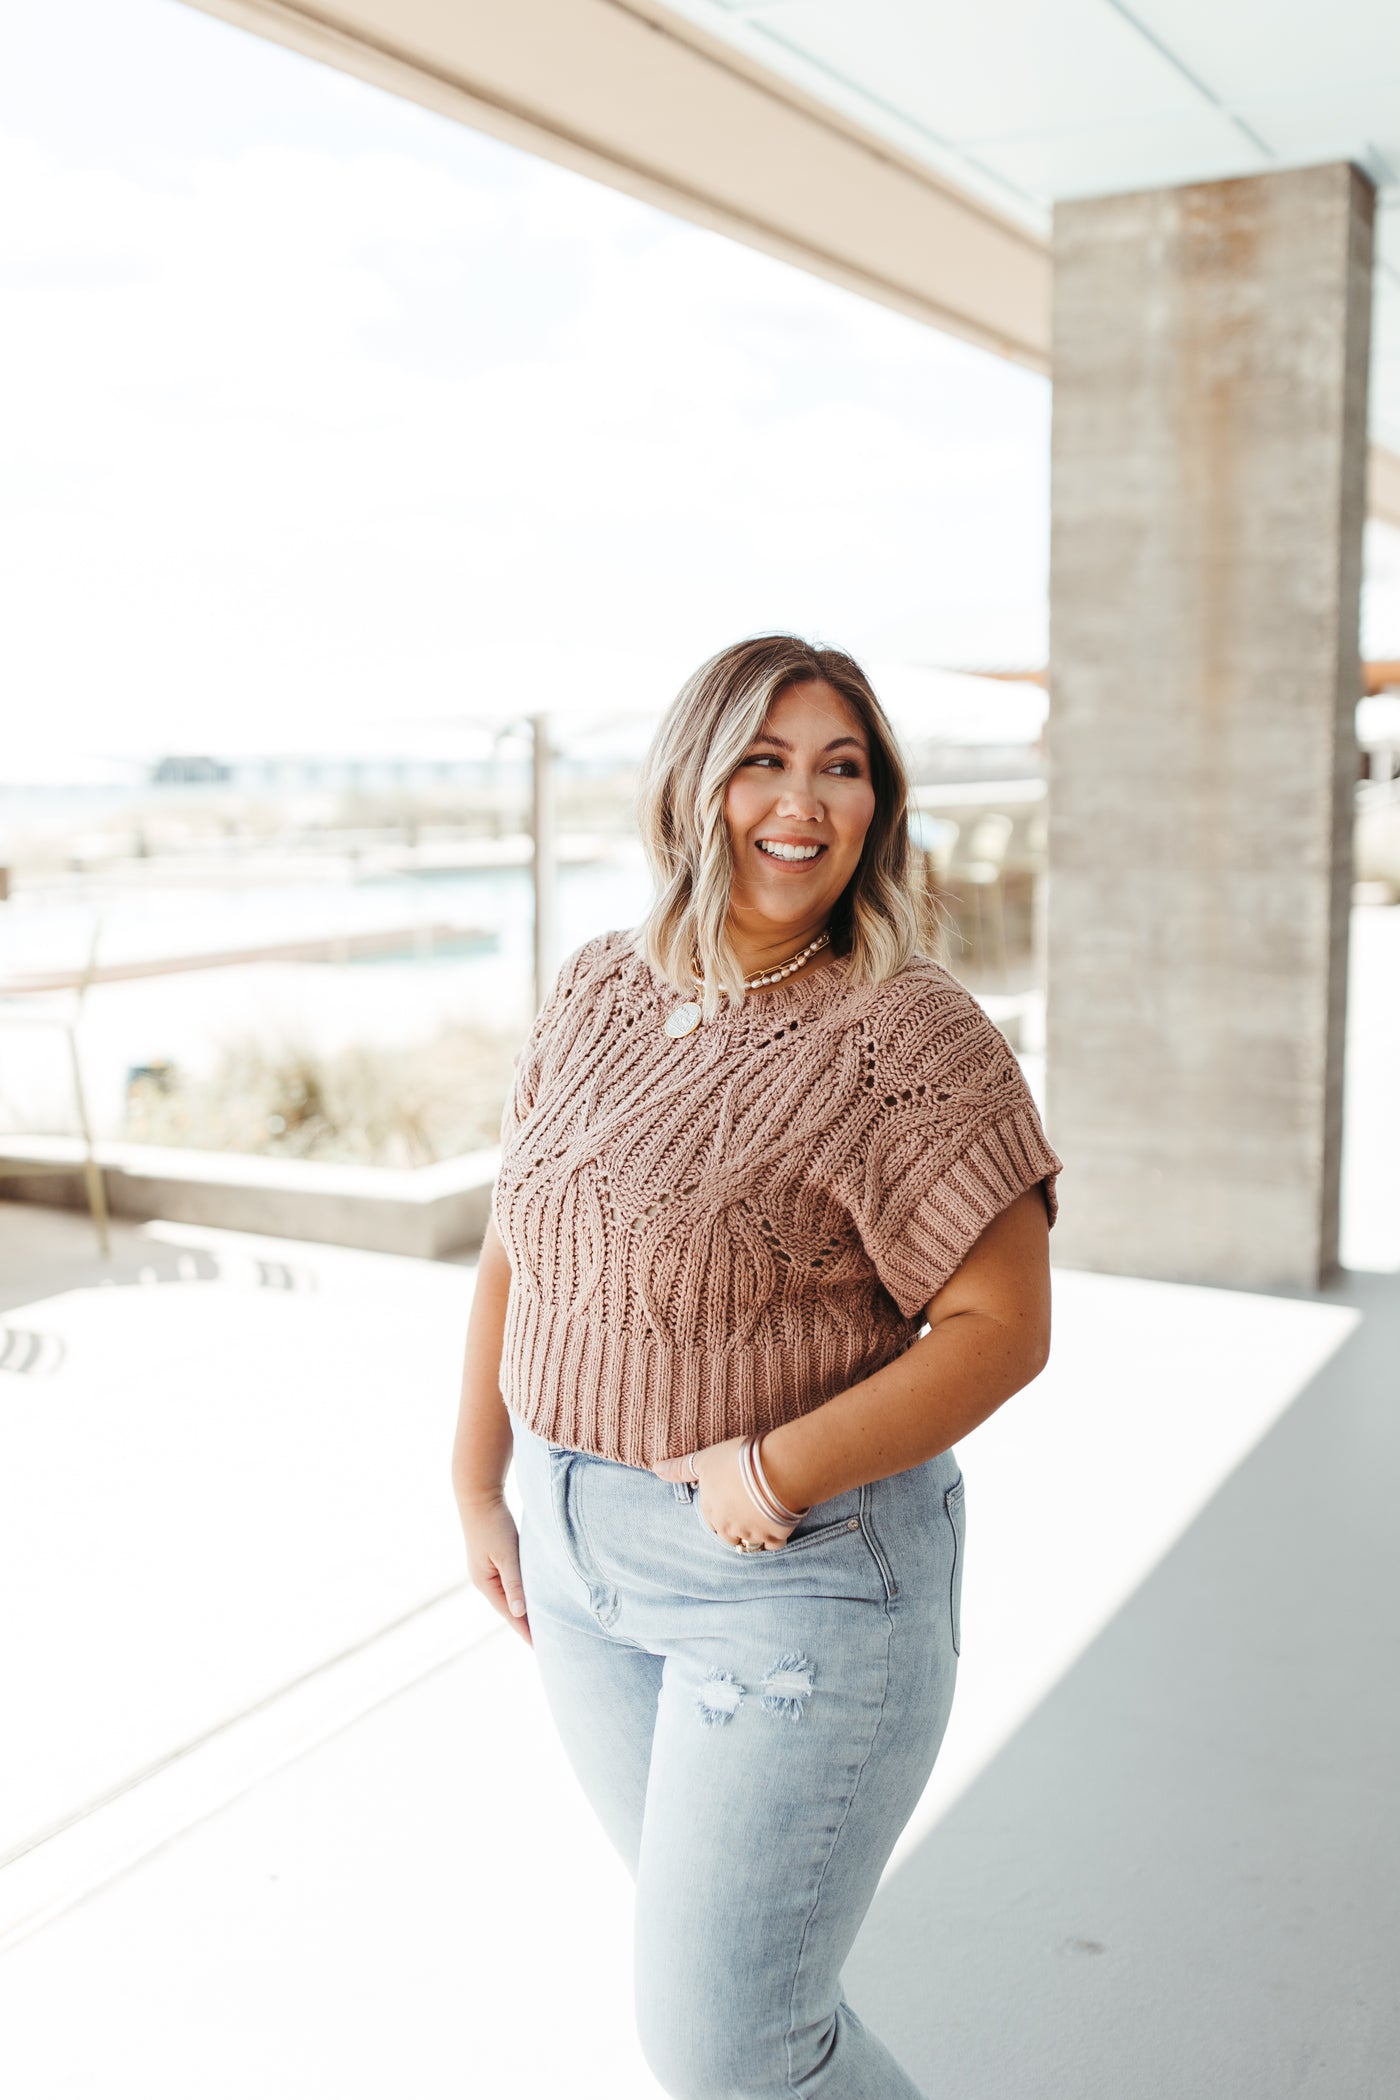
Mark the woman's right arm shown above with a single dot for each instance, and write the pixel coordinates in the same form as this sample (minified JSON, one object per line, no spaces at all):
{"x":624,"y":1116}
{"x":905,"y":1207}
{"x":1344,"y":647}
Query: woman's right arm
{"x":482,"y":1447}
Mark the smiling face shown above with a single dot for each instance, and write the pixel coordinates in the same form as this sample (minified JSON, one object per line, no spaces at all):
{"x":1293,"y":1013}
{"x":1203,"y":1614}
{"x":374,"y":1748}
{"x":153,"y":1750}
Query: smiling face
{"x":798,"y":807}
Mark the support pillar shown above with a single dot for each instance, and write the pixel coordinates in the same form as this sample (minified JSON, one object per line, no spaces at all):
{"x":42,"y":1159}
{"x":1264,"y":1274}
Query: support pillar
{"x":1209,"y":480}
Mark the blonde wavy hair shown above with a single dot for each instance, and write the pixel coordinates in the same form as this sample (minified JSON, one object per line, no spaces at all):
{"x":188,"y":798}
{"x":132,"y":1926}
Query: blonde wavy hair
{"x":881,"y":918}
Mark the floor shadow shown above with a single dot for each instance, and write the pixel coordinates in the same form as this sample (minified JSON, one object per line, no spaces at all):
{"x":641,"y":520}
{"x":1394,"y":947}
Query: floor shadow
{"x":1182,"y":1875}
{"x":44,"y":1252}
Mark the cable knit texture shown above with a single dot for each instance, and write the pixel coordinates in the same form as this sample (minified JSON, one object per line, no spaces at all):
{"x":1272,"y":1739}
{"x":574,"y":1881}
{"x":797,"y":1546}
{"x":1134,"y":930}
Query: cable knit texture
{"x":714,"y":1233}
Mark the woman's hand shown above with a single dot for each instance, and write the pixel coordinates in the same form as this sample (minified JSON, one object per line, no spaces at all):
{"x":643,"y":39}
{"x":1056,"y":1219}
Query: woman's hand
{"x":493,"y":1558}
{"x":725,"y":1502}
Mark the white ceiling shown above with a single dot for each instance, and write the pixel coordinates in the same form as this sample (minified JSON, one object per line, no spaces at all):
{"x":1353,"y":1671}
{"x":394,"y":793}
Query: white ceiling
{"x":1026,"y":101}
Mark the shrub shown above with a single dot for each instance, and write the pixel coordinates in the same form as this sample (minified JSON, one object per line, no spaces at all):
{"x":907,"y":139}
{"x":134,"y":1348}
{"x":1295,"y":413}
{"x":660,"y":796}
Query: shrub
{"x":376,"y":1105}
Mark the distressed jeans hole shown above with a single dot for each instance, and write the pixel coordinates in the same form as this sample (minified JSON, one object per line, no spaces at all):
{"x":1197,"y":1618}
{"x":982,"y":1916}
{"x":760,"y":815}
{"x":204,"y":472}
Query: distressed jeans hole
{"x":787,"y":1687}
{"x":717,"y":1696}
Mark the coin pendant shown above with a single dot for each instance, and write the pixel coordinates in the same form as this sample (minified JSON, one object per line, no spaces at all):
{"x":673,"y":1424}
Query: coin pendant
{"x":682,"y":1019}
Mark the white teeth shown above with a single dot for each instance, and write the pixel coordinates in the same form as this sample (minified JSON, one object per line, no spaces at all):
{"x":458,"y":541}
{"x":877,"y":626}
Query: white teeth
{"x":788,"y":852}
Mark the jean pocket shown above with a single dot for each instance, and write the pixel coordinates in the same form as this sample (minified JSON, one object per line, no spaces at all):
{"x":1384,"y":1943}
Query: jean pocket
{"x":953,"y":1504}
{"x":835,"y":1518}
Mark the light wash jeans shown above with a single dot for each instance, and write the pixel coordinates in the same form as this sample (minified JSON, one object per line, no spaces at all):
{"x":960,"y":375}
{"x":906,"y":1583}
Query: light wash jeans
{"x":753,"y":1731}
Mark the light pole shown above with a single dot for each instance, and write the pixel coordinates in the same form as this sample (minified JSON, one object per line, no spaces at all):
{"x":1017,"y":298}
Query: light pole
{"x":544,"y":859}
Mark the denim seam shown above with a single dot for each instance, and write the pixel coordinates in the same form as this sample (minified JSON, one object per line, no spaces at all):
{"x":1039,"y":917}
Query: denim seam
{"x":950,"y":1496}
{"x":820,"y":1536}
{"x":606,"y":1617}
{"x":585,"y":1535}
{"x":877,"y":1551}
{"x":825,"y":1534}
{"x":835,"y":1840}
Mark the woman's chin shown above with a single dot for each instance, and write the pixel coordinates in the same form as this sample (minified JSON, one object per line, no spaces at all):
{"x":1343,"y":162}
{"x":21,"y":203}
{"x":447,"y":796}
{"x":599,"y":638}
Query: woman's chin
{"x":787,"y":917}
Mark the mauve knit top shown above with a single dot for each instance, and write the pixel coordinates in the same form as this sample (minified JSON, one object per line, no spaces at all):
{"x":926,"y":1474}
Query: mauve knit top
{"x":713,"y":1233}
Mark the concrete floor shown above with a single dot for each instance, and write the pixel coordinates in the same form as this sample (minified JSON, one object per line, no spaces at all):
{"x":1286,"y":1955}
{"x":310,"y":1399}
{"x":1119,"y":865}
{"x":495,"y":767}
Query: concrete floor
{"x":282,"y":1812}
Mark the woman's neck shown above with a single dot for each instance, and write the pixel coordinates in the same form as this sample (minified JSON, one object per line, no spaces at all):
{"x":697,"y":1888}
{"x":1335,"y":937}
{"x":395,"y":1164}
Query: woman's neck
{"x":759,"y":952}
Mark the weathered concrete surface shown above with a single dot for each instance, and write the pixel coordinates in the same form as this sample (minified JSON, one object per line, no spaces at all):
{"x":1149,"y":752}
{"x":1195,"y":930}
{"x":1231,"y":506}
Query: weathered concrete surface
{"x":1209,"y":456}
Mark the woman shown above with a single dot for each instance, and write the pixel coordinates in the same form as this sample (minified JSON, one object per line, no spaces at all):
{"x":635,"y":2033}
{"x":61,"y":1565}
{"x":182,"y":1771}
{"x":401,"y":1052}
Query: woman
{"x":751,"y":1149}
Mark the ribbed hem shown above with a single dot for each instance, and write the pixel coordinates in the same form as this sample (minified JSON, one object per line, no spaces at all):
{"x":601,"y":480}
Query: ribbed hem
{"x":631,"y":1397}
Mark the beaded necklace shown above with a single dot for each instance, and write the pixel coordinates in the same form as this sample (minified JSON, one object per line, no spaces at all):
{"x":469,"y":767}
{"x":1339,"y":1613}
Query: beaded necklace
{"x":682,"y":1020}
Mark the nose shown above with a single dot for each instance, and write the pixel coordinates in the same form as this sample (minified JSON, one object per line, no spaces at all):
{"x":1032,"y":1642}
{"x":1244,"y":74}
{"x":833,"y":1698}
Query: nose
{"x":799,"y":799}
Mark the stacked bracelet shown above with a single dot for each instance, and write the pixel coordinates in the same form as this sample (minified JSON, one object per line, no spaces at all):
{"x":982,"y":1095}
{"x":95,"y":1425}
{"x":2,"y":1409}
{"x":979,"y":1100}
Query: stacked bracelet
{"x":756,"y":1481}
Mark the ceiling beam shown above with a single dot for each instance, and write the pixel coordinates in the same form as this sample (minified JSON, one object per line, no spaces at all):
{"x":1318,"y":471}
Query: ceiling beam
{"x":641,"y":99}
{"x":638,"y":98}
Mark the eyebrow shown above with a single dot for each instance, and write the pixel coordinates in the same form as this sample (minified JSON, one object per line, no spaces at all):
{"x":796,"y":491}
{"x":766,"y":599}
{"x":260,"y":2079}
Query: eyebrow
{"x":766,"y":736}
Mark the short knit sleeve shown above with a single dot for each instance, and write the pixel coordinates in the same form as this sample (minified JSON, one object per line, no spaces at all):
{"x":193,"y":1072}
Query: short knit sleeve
{"x":950,"y":1135}
{"x":522,"y":1091}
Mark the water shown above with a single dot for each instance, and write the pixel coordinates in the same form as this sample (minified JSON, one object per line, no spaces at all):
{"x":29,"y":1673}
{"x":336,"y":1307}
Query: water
{"x":188,"y":1018}
{"x":51,"y":929}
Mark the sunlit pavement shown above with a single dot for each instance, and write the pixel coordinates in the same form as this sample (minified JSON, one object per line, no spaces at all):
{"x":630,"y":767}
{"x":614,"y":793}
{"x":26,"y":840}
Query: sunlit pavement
{"x":282,"y":1812}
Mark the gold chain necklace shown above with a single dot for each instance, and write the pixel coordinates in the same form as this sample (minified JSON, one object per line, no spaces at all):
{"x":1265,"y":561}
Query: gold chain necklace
{"x":683,"y":1019}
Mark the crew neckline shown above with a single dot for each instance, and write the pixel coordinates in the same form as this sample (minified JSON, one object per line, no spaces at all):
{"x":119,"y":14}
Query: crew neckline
{"x":835,"y":966}
{"x":787,"y":992}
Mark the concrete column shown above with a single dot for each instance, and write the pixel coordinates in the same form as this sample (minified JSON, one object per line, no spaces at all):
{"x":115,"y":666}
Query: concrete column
{"x":1209,"y":479}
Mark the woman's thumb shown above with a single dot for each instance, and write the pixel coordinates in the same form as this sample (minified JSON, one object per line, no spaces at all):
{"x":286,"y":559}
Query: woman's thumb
{"x":514,"y":1589}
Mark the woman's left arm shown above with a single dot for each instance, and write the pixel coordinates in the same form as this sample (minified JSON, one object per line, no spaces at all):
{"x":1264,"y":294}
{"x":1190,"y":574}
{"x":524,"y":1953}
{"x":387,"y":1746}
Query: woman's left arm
{"x":989,"y":1334}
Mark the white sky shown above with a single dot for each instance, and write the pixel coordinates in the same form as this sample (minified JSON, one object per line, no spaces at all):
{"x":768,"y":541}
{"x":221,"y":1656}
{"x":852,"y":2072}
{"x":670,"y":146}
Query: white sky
{"x":331,"y":411}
